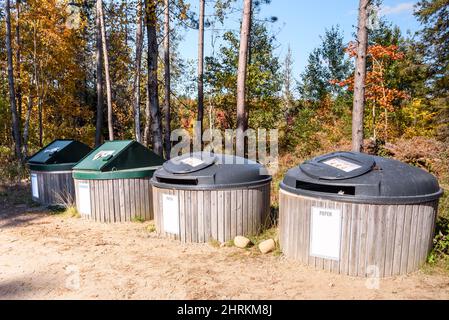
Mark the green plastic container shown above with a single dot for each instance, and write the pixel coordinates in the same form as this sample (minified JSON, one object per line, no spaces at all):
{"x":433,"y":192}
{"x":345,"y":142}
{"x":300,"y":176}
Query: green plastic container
{"x":51,"y":171}
{"x":112,"y":183}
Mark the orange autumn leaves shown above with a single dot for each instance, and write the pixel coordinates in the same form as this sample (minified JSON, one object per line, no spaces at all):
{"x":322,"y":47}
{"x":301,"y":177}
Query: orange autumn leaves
{"x":379,"y":94}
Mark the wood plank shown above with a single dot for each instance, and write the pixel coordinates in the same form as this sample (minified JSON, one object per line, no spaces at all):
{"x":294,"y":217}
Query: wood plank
{"x":200,"y":215}
{"x":398,"y":242}
{"x":214,"y":214}
{"x":207,"y":216}
{"x":406,"y":238}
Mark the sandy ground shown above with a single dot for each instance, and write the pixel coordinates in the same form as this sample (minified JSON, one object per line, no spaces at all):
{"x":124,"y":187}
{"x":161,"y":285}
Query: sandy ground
{"x":46,"y":256}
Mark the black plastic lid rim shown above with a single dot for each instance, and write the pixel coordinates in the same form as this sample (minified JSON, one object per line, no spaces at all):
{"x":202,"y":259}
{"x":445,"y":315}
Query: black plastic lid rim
{"x":396,"y":200}
{"x":211,"y":187}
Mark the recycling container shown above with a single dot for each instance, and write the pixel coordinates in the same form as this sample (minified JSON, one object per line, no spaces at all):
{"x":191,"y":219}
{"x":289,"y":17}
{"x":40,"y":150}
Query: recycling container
{"x":51,"y":171}
{"x":203,"y":196}
{"x":112,"y":182}
{"x":357,"y":214}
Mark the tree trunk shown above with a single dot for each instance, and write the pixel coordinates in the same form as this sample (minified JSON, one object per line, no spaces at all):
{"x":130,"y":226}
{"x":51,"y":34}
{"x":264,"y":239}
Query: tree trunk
{"x":18,"y":62}
{"x":242,"y":119}
{"x":12,"y":94}
{"x":146,"y":130}
{"x":200,"y":114}
{"x":359,"y":78}
{"x":26,"y":126}
{"x":99,"y":84}
{"x":106,"y":68}
{"x":167,"y":78}
{"x":153,"y":96}
{"x":139,"y":45}
{"x":34,"y":82}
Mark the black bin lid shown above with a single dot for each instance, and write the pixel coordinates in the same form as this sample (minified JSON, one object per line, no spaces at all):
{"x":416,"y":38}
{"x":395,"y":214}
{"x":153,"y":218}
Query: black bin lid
{"x":361,"y":178}
{"x":208,"y":171}
{"x":60,"y":154}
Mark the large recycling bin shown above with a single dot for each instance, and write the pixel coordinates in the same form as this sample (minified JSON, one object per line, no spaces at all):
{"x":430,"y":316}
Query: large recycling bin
{"x":51,"y":171}
{"x":112,"y":182}
{"x":206,"y":196}
{"x":358,"y":215}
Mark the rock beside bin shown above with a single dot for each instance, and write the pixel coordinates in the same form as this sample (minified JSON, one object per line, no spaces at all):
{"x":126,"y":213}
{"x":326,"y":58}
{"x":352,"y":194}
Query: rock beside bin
{"x":241,"y":242}
{"x":267,"y":246}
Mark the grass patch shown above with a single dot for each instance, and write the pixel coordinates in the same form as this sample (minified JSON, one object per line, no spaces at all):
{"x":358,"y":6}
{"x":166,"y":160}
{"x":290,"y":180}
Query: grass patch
{"x":151,"y":228}
{"x":138,"y":219}
{"x":214,"y":243}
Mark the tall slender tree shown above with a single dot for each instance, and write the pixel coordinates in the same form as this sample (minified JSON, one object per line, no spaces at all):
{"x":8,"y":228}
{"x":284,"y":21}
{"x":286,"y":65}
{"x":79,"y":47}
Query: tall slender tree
{"x":167,"y":78}
{"x":359,"y":77}
{"x":18,"y":62}
{"x":200,"y":113}
{"x":139,"y":47}
{"x":152,"y":85}
{"x":106,"y":68}
{"x":242,"y":116}
{"x":99,"y":83}
{"x":12,"y":94}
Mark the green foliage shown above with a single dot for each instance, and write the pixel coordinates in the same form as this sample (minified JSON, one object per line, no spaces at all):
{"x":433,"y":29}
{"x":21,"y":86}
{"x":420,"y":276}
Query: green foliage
{"x":263,"y":81}
{"x":440,"y":249}
{"x":297,"y":131}
{"x":434,"y":45}
{"x":325,"y":64}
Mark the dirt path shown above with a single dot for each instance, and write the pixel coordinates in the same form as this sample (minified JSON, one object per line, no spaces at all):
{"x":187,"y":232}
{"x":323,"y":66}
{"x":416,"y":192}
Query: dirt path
{"x":46,"y":257}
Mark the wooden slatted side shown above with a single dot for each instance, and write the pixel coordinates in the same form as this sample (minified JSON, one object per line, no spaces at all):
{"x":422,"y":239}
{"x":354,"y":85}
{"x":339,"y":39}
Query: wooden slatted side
{"x":55,"y":187}
{"x":215,"y":214}
{"x":375,"y":239}
{"x":119,"y":200}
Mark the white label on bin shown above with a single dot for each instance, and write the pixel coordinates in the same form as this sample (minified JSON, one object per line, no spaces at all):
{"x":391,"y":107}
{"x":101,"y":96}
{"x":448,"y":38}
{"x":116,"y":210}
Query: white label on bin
{"x":34,"y":186}
{"x":84,"y":198}
{"x":170,"y":213}
{"x":341,"y":164}
{"x":325,"y":233}
{"x":103,"y":154}
{"x":193,"y":162}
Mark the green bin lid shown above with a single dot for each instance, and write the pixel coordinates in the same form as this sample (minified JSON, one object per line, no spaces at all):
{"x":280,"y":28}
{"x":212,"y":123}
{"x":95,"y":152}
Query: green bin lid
{"x":59,"y":155}
{"x":119,"y":159}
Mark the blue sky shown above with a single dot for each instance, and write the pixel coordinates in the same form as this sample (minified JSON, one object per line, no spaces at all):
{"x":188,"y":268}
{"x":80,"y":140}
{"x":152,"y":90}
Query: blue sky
{"x":301,"y":22}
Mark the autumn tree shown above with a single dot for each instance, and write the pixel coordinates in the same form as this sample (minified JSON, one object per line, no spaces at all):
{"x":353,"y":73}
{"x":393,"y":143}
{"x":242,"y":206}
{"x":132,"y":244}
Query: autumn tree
{"x":359,"y":78}
{"x":12,"y":93}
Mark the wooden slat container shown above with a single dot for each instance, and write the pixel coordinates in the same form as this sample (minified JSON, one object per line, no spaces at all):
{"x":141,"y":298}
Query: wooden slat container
{"x":112,"y":183}
{"x":339,"y":226}
{"x":385,"y":240}
{"x":51,"y":172}
{"x":215,"y":214}
{"x":52,"y":187}
{"x":115,"y":200}
{"x":203,"y":197}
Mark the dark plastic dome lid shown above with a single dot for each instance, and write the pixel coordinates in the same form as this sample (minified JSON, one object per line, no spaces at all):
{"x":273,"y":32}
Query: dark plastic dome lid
{"x":361,"y":178}
{"x":208,"y":171}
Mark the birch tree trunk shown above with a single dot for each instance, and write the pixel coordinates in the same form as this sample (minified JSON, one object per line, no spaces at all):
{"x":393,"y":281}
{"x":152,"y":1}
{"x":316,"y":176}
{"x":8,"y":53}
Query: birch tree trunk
{"x":200,"y":114}
{"x":99,"y":83}
{"x":153,"y":96}
{"x":12,"y":94}
{"x":139,"y":45}
{"x":106,"y":68}
{"x":167,"y":78}
{"x":242,"y":119}
{"x":359,"y":78}
{"x":18,"y":63}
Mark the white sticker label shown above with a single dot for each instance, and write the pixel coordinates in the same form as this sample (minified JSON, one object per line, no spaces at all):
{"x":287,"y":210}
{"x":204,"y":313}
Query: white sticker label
{"x":34,"y":186}
{"x":193,"y":162}
{"x":170,"y":212}
{"x":55,"y":149}
{"x":103,"y":154}
{"x":341,"y":164}
{"x":325,"y":233}
{"x":84,"y":198}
